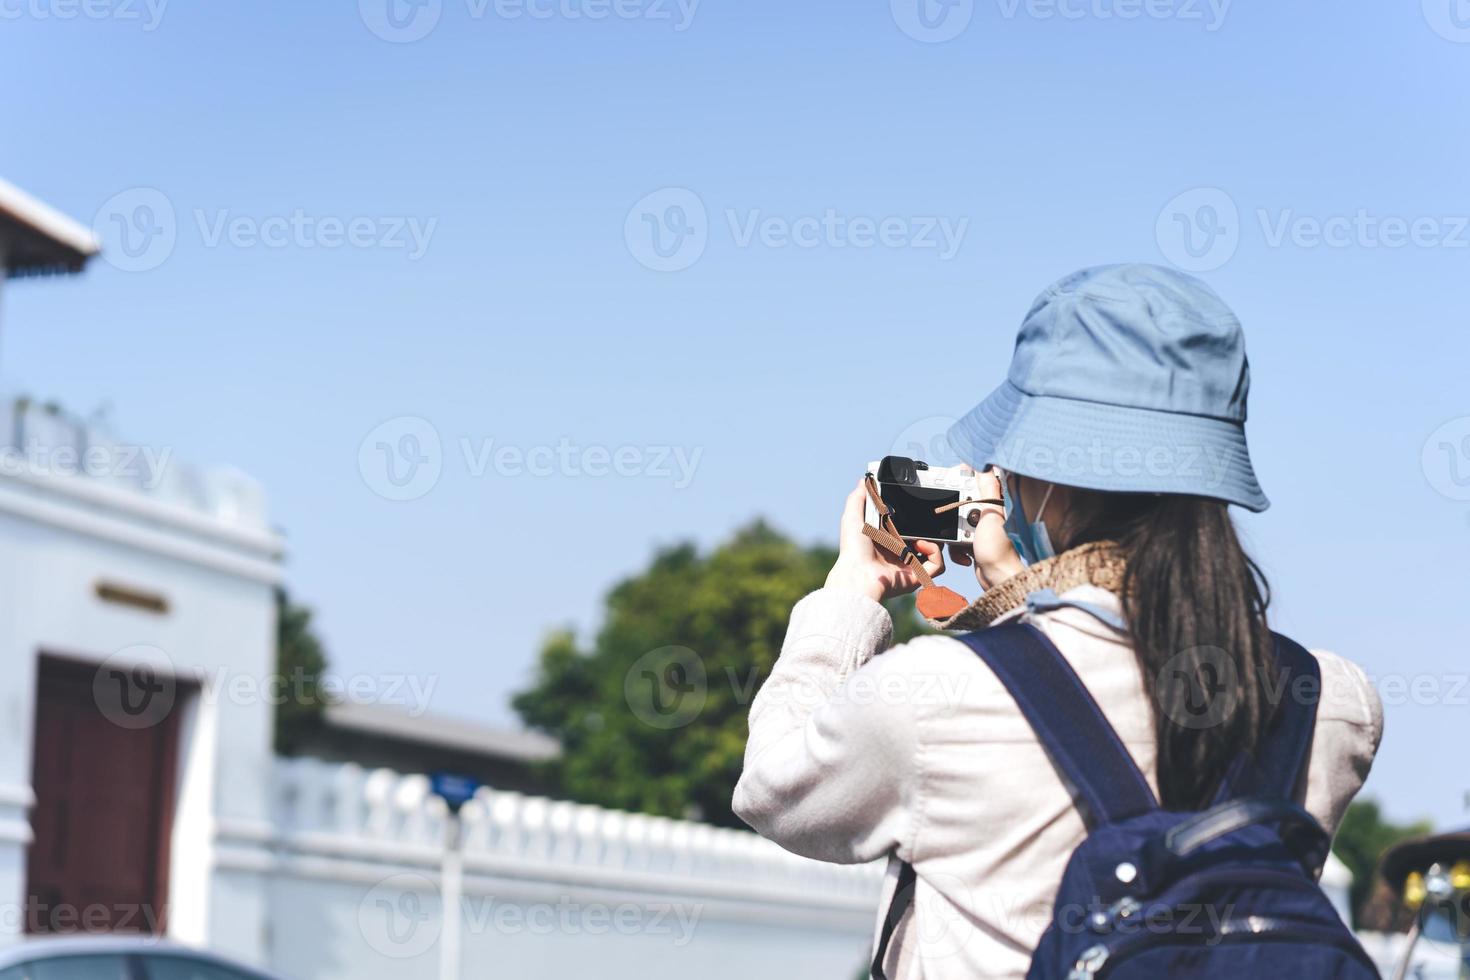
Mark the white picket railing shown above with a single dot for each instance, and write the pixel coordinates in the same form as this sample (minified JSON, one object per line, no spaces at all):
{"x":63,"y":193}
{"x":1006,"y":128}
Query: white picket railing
{"x":332,"y":806}
{"x":342,"y":841}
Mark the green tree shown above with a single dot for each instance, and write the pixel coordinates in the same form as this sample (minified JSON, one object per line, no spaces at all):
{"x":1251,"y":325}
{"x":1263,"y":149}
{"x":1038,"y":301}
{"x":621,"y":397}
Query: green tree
{"x":301,"y":660}
{"x":1362,"y":837}
{"x":652,"y":717}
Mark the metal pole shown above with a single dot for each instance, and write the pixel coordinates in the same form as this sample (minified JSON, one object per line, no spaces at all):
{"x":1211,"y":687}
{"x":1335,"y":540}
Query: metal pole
{"x":1403,"y":969}
{"x":451,"y":890}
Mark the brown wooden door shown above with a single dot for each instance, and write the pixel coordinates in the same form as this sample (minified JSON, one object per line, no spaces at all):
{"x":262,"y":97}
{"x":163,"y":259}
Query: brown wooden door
{"x":104,"y":808}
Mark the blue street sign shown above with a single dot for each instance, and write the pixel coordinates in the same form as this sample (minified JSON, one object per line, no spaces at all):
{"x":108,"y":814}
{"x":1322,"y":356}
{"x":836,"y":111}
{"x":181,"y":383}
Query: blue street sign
{"x":454,"y":789}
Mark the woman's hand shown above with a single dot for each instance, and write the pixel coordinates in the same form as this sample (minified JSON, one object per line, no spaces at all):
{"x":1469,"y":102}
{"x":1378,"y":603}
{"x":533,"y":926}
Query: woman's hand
{"x":990,"y":551}
{"x":862,"y":567}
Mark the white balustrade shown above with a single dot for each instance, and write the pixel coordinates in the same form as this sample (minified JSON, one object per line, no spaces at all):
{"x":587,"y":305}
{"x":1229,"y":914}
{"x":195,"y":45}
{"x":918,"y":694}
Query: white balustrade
{"x":551,"y":888}
{"x":319,"y":801}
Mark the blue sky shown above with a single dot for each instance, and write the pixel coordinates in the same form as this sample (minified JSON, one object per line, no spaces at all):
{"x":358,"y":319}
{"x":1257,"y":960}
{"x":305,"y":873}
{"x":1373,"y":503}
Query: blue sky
{"x":818,"y":151}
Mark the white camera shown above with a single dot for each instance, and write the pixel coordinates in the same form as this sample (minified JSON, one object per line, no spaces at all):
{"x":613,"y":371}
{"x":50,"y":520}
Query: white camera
{"x":914,"y":490}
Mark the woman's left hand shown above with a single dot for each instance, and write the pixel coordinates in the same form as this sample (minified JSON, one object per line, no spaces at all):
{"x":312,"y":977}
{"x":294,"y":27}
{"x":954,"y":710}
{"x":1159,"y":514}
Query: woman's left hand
{"x":863,"y":567}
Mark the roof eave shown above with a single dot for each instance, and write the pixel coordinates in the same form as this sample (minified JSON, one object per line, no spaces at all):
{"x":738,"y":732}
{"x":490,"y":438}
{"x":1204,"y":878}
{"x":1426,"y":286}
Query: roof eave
{"x":48,"y":241}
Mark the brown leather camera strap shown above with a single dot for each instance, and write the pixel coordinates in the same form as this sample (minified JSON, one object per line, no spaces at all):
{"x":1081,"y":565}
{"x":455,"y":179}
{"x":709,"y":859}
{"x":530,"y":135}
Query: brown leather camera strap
{"x":965,"y":503}
{"x":933,"y":601}
{"x":887,"y":537}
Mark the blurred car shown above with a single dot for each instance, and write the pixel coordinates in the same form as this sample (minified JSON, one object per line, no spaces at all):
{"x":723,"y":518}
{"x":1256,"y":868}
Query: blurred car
{"x":117,"y":958}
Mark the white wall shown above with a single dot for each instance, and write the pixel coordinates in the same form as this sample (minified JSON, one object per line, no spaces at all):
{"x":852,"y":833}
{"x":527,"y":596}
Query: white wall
{"x":60,"y":534}
{"x":553,"y":890}
{"x":1337,"y":884}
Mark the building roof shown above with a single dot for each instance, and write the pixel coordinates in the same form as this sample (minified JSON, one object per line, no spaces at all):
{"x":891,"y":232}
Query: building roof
{"x":36,"y":239}
{"x":439,"y":732}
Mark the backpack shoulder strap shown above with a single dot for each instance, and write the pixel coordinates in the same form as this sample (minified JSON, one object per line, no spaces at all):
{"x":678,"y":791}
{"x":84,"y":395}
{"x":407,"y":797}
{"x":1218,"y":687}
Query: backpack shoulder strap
{"x":1069,"y":725}
{"x":1068,"y":722}
{"x":1281,"y":758}
{"x":903,"y":897}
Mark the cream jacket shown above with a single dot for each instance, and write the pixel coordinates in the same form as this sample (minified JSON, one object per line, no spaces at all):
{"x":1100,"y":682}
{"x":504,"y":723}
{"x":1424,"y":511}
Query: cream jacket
{"x":920,"y":753}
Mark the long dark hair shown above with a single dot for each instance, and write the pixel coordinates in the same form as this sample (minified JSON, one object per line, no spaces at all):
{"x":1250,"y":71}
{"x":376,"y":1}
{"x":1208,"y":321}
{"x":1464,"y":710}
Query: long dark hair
{"x":1196,"y":607}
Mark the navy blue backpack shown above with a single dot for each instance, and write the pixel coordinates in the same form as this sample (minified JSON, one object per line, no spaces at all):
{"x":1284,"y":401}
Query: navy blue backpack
{"x":1227,"y":892}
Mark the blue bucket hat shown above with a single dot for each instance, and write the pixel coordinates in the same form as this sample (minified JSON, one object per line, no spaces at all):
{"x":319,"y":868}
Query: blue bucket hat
{"x":1127,"y":378}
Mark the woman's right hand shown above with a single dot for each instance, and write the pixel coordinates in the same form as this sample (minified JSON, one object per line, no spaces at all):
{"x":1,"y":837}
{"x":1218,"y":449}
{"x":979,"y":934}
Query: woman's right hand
{"x":989,"y":550}
{"x":862,"y":567}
